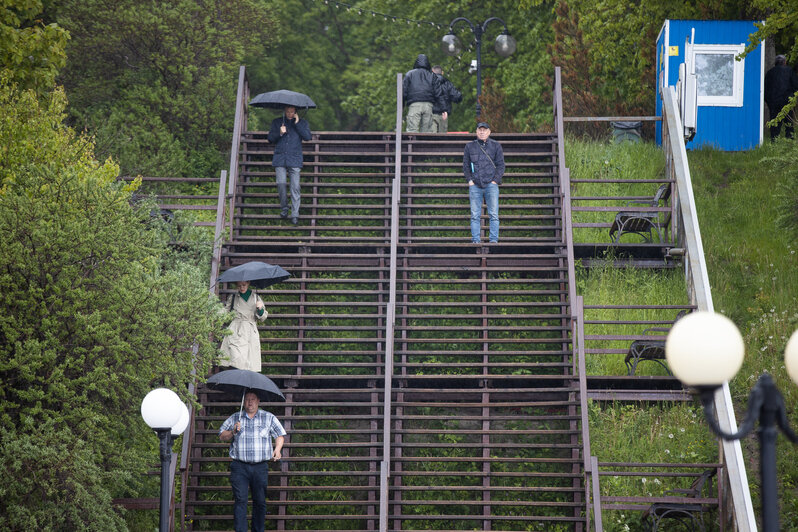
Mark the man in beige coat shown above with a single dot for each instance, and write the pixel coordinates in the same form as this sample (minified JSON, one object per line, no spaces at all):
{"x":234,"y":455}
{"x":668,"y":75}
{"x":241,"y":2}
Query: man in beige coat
{"x":241,"y":349}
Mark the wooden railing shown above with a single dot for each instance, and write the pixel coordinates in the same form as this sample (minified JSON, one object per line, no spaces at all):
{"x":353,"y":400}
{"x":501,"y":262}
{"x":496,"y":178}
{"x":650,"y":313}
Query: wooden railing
{"x":178,"y":202}
{"x":682,"y":504}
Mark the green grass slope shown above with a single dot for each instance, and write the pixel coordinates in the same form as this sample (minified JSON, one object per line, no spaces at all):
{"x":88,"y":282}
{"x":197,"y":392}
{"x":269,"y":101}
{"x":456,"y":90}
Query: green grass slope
{"x":745,"y":205}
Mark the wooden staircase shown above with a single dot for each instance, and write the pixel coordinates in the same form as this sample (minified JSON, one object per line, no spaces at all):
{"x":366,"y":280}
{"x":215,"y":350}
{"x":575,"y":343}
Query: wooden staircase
{"x":482,"y":429}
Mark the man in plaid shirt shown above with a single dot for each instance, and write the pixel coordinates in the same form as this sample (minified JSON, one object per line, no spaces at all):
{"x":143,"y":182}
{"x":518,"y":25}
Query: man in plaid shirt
{"x":250,"y":438}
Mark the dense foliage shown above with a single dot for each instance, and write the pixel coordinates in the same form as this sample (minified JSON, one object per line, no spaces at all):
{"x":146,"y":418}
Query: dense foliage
{"x":347,"y":56}
{"x":31,"y":52}
{"x":155,"y":81}
{"x":94,"y":312}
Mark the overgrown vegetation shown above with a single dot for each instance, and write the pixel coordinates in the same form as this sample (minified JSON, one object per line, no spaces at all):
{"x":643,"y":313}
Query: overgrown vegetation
{"x":95,"y":310}
{"x":753,"y":270}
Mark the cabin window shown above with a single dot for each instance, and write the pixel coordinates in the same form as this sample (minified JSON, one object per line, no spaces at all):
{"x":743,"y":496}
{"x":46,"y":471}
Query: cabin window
{"x":719,"y":75}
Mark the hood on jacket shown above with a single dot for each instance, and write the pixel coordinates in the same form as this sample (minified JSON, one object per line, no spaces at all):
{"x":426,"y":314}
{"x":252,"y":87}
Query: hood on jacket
{"x":422,"y":62}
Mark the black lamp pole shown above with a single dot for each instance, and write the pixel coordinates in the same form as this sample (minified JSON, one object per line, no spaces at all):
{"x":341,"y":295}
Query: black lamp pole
{"x":765,"y":404}
{"x":505,"y":46}
{"x":166,"y":440}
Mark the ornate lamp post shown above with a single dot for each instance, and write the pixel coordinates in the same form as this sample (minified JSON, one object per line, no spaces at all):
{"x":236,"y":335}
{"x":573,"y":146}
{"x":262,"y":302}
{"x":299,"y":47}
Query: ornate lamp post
{"x":505,"y":46}
{"x":704,"y":350}
{"x":166,"y":414}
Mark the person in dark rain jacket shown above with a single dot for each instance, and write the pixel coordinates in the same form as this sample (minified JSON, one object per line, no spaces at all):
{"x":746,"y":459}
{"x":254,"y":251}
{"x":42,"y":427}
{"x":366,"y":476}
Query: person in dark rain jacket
{"x":483,"y":167}
{"x":440,"y":115}
{"x":781,"y":82}
{"x":287,"y":133}
{"x":421,"y":90}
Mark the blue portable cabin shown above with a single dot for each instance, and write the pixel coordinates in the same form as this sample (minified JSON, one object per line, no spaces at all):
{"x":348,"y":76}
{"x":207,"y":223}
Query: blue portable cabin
{"x":730,"y":93}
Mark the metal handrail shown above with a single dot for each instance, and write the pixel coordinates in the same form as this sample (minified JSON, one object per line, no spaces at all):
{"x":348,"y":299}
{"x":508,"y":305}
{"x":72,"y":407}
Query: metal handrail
{"x":217,"y":235}
{"x":596,"y":493}
{"x":565,"y":183}
{"x":239,"y":125}
{"x":188,"y":437}
{"x":697,"y":278}
{"x":577,"y":314}
{"x":578,"y":328}
{"x":385,"y":465}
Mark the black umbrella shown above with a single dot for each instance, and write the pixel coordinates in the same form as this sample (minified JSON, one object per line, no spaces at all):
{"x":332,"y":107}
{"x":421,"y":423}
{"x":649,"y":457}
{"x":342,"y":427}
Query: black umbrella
{"x":259,"y":274}
{"x":282,"y":98}
{"x":241,"y":381}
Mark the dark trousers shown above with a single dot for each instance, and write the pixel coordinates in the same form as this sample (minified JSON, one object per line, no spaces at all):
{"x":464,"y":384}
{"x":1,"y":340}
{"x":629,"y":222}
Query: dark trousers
{"x":775,"y":131}
{"x":788,"y":129}
{"x":255,"y":478}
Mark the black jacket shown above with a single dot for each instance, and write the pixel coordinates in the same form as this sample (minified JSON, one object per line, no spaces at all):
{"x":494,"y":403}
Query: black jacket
{"x":781,"y":82}
{"x":421,"y":85}
{"x":450,"y":94}
{"x":288,"y":149}
{"x":487,"y":160}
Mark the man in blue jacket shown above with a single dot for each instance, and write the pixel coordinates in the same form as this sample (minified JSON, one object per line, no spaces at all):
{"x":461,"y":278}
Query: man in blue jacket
{"x":483,"y":166}
{"x":287,"y":133}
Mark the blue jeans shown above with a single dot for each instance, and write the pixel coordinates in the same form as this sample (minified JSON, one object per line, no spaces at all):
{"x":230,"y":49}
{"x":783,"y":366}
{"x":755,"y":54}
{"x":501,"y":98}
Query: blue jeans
{"x":490,"y":195}
{"x":253,"y":477}
{"x":293,"y":173}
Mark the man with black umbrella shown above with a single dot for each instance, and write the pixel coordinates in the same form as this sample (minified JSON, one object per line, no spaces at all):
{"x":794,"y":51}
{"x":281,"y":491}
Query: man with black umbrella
{"x":250,"y":438}
{"x":287,"y":133}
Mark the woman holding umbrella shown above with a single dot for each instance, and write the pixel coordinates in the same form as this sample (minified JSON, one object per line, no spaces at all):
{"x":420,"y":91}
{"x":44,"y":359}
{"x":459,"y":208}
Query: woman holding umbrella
{"x":241,"y":349}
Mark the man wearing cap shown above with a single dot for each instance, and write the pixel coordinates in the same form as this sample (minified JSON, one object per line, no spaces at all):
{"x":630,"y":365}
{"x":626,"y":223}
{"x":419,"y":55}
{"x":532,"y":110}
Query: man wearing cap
{"x":483,"y":166}
{"x":250,"y":436}
{"x":781,"y":82}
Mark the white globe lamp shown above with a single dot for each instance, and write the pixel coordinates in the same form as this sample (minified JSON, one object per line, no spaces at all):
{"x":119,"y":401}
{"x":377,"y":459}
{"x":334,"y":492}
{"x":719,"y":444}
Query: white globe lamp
{"x":161,"y":408}
{"x":791,"y":357}
{"x":704,"y":349}
{"x":182,"y":423}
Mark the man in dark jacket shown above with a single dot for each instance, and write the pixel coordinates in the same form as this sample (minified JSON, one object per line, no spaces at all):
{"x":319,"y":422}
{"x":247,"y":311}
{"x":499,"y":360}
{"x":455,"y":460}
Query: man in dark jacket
{"x":780,"y":83}
{"x":483,"y":166}
{"x":440,"y":115}
{"x":288,"y":132}
{"x":420,"y":91}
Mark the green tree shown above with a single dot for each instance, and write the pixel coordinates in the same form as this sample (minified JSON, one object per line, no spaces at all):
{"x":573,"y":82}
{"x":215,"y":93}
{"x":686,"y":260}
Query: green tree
{"x":606,"y":49}
{"x":781,"y":26}
{"x":155,"y":81}
{"x":347,"y":58}
{"x":31,"y":52}
{"x":94,"y":312}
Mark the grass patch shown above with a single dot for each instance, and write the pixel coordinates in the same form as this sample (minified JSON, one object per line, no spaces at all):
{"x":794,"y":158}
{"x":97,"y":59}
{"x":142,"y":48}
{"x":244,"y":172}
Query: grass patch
{"x":742,"y":200}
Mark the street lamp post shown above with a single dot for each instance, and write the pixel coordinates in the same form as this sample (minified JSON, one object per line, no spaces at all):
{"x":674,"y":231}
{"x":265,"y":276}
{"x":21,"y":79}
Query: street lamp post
{"x":166,"y":414}
{"x":704,"y":350}
{"x":505,"y":46}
